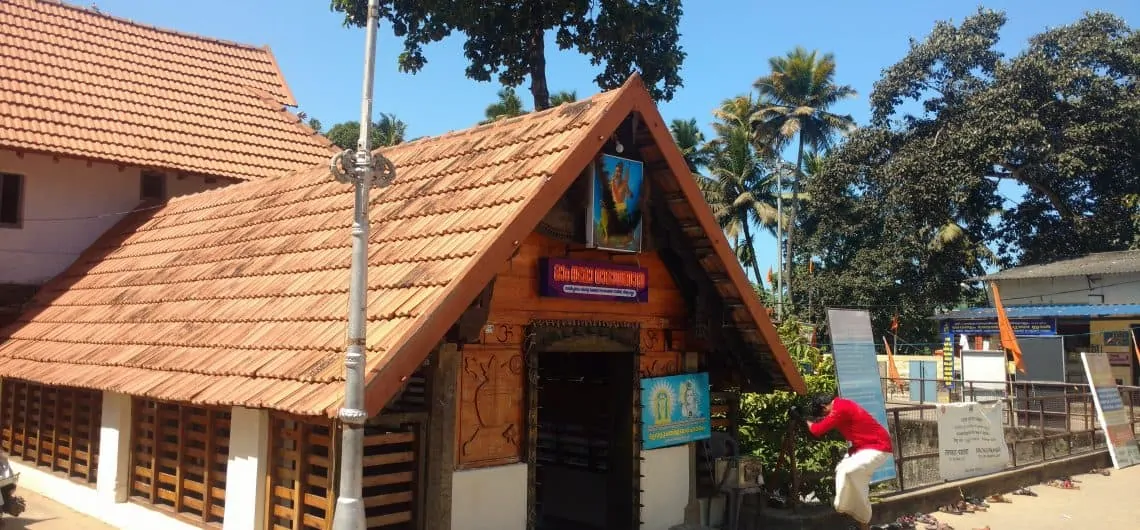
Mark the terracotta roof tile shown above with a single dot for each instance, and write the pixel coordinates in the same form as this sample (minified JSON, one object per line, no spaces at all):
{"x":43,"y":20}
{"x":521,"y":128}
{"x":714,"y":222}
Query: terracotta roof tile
{"x":80,"y":83}
{"x":238,"y":296}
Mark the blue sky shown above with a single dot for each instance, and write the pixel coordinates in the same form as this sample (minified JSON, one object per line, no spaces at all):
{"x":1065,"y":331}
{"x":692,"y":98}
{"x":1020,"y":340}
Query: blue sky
{"x":728,"y":44}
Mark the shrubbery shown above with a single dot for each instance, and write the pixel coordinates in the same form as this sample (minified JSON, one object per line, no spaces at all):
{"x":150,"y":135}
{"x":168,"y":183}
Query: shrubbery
{"x":764,"y":421}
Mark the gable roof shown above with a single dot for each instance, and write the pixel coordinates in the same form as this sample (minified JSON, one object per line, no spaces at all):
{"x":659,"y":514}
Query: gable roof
{"x":237,"y":296}
{"x":79,"y":83}
{"x":1120,"y":262}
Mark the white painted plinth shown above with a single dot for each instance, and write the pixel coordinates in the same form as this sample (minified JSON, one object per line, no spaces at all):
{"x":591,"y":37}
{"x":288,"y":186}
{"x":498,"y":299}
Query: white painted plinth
{"x":665,"y":487}
{"x":84,"y":499}
{"x":492,"y":498}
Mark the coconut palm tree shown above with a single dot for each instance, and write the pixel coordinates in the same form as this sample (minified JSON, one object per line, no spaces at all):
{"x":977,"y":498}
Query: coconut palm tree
{"x":390,"y":131}
{"x":740,"y":188}
{"x":795,"y":98}
{"x":564,"y":96}
{"x":509,"y":105}
{"x":692,"y":143}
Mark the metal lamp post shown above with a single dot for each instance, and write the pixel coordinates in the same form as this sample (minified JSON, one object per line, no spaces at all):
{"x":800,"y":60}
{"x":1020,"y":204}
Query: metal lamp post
{"x":364,"y":171}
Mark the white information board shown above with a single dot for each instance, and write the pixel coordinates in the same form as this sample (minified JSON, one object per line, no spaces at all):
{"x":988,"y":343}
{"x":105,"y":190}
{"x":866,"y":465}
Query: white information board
{"x":971,"y":440}
{"x":1110,"y":410}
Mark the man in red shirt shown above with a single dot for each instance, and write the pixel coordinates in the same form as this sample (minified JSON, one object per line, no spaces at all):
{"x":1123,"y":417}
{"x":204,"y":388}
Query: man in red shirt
{"x":870,"y":447}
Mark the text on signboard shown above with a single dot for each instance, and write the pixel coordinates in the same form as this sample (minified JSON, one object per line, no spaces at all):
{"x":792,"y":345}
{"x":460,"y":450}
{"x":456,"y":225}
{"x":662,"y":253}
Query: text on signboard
{"x":583,"y":274}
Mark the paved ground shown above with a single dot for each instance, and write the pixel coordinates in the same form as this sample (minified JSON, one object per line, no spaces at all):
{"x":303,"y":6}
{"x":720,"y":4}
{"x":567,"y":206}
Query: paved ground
{"x":44,"y":514}
{"x":1102,"y":503}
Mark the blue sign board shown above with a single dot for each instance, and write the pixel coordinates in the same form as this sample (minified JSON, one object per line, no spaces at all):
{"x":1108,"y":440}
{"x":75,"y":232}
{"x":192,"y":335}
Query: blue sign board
{"x":674,"y":410}
{"x":857,"y":369}
{"x":1022,"y":327}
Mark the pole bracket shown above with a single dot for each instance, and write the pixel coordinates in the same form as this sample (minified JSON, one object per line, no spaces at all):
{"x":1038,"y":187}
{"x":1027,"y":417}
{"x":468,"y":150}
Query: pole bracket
{"x":352,"y":416}
{"x":376,"y":171}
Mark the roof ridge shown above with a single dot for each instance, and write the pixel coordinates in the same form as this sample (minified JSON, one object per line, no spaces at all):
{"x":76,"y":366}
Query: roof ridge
{"x":123,"y":20}
{"x":295,"y":120}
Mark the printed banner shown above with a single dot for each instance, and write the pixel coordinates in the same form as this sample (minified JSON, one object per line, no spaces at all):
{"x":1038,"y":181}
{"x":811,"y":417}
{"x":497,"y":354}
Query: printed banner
{"x":1110,"y":410}
{"x":585,"y":280}
{"x":948,"y":360}
{"x":675,"y":410}
{"x":971,"y":440}
{"x":616,"y":201}
{"x":857,"y":369}
{"x":1021,"y":326}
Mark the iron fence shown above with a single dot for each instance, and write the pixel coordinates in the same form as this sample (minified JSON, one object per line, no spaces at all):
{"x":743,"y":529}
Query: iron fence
{"x":1042,"y":422}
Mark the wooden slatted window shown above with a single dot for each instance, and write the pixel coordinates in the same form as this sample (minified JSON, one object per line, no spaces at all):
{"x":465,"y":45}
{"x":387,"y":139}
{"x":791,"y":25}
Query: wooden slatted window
{"x":302,"y":481}
{"x":392,"y":476}
{"x":302,"y":489}
{"x":54,"y":428}
{"x":178,"y":459}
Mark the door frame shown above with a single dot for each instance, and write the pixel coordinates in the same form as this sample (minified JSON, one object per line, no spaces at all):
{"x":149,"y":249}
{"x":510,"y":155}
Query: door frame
{"x":587,"y":337}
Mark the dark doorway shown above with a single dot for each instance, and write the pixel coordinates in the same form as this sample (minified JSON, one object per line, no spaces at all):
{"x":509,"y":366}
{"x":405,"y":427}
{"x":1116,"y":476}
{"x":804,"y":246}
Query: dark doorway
{"x":583,"y":458}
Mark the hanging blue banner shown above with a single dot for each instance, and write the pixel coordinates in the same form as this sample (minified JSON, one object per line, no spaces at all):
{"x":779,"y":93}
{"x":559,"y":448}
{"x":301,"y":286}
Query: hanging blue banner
{"x":675,"y":410}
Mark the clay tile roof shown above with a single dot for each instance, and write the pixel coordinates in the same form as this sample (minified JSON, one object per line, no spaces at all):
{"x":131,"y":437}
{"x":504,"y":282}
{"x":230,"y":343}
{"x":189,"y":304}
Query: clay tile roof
{"x":79,"y":83}
{"x":237,"y":296}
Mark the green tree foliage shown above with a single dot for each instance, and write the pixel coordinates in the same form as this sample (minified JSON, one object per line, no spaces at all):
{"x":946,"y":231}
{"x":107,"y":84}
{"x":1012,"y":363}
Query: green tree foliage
{"x":508,"y":39}
{"x":903,"y":213}
{"x":691,"y":141}
{"x":795,"y":102}
{"x":563,"y":96}
{"x":510,"y":105}
{"x":385,"y":132}
{"x":764,"y":421}
{"x":740,"y":187}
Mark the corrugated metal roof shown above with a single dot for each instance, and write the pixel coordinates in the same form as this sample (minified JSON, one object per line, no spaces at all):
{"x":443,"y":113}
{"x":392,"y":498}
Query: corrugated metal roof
{"x":1030,"y":311}
{"x":1100,"y":263}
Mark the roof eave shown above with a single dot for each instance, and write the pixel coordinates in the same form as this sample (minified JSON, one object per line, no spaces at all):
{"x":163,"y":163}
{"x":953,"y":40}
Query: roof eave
{"x":653,"y":121}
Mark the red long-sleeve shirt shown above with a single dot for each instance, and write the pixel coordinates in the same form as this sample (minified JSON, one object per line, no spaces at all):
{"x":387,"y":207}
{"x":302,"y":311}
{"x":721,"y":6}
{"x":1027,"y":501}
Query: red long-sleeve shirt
{"x":856,"y":425}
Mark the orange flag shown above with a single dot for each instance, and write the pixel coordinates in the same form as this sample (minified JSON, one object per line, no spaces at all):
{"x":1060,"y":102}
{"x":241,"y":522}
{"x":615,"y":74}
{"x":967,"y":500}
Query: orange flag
{"x":892,"y":370}
{"x":771,"y":277}
{"x":811,"y":267}
{"x":895,"y":324}
{"x":1008,"y":339}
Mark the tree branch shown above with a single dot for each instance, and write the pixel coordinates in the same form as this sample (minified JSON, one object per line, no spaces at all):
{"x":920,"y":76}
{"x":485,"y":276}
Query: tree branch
{"x":1018,"y":174}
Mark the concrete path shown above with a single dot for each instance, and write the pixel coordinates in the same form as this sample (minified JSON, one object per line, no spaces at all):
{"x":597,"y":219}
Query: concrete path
{"x":45,"y":514}
{"x":1102,"y":503}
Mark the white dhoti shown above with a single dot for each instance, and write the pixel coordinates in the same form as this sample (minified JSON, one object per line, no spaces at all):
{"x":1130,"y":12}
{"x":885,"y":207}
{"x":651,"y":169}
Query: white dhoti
{"x":853,"y":483}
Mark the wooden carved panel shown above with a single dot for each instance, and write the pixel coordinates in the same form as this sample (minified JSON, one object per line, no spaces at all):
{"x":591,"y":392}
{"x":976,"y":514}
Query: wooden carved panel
{"x":657,"y":364}
{"x":490,"y":426}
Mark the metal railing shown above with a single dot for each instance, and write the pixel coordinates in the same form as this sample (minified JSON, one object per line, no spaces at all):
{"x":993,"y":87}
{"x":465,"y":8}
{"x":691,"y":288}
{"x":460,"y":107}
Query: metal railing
{"x":1042,"y":422}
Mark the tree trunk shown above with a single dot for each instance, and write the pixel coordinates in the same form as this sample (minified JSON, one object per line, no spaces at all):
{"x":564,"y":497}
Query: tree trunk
{"x":538,"y":86}
{"x":752,"y":247}
{"x":789,"y":258}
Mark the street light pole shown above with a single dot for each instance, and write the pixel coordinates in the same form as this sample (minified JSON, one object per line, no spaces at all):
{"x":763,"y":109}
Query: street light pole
{"x":779,"y":245}
{"x":364,"y":171}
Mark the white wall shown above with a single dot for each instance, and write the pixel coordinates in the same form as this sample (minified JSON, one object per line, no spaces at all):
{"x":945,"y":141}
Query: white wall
{"x":1115,"y":288}
{"x":246,"y":469}
{"x":665,"y":487}
{"x":67,"y":188}
{"x":492,"y":498}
